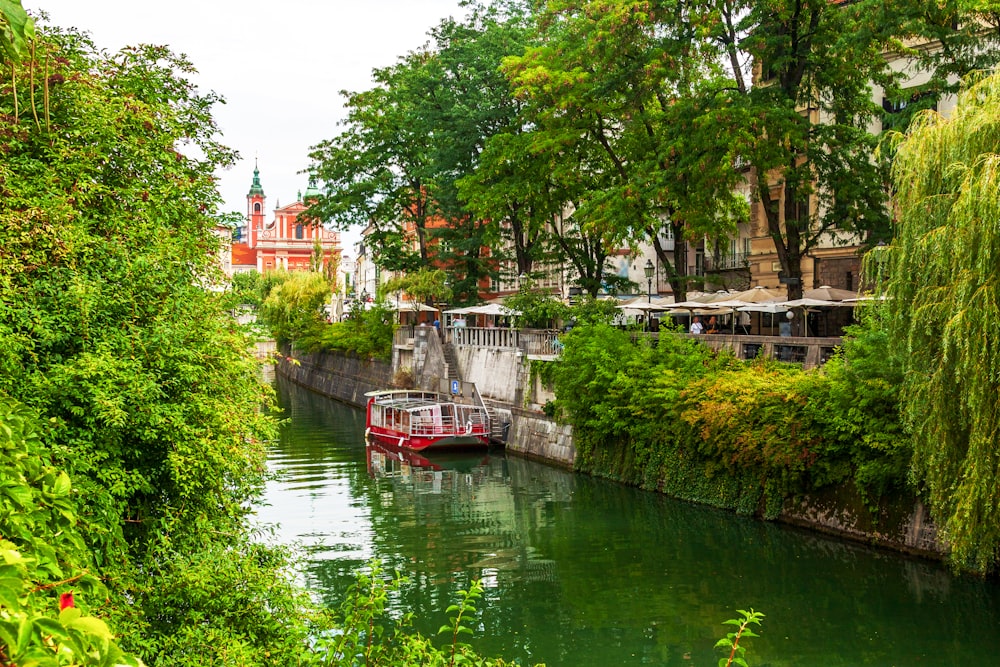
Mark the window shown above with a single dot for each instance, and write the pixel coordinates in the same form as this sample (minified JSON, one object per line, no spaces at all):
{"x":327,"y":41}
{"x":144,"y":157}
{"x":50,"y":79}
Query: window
{"x":256,"y":207}
{"x":898,"y":110}
{"x":298,"y":231}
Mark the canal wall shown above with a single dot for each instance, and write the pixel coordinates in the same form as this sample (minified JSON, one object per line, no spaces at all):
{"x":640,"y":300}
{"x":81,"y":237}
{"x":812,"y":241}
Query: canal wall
{"x":503,"y":377}
{"x":340,"y":376}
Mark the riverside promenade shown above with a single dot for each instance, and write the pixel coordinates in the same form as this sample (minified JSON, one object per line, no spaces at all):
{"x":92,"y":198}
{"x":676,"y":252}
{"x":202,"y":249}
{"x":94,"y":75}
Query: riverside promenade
{"x":493,"y":366}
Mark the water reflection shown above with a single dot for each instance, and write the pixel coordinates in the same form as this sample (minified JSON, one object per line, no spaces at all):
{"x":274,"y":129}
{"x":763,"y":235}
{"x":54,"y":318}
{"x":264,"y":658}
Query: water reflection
{"x":586,"y":572}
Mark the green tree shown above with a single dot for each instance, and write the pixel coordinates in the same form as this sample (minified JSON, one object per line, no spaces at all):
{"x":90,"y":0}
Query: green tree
{"x":428,"y":286}
{"x":944,"y":302}
{"x":473,"y":102}
{"x":377,"y":172}
{"x":147,"y":393}
{"x":509,"y":183}
{"x":803,"y":123}
{"x":292,"y":308}
{"x":637,"y":88}
{"x":17,"y":30}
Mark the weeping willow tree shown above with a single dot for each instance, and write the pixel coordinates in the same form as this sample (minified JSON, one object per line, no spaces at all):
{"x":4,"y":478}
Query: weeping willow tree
{"x":944,"y":304}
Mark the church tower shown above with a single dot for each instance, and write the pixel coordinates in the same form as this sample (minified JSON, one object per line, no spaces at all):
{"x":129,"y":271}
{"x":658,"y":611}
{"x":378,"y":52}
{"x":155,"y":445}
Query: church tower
{"x":255,"y":208}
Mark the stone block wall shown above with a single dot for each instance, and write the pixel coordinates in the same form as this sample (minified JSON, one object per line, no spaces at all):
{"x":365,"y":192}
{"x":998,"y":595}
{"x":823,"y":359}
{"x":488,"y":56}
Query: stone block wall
{"x":343,"y":377}
{"x":535,"y":436}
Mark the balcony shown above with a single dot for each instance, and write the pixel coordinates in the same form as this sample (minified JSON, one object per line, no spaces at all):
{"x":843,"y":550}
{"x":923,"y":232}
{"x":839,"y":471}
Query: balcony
{"x":728,"y":262}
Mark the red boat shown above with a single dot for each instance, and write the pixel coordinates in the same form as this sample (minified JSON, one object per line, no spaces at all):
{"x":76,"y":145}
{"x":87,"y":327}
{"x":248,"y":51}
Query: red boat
{"x":419,"y":420}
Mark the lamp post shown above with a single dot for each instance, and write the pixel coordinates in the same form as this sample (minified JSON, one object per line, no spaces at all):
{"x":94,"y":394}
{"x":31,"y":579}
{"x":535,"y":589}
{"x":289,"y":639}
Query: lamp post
{"x":649,"y":269}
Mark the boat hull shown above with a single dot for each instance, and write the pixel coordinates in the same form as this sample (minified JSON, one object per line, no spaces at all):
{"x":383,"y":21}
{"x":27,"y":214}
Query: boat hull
{"x":420,"y":443}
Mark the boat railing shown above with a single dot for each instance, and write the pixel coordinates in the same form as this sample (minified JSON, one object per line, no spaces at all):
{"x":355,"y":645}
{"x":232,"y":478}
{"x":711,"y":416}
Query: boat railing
{"x":473,"y":421}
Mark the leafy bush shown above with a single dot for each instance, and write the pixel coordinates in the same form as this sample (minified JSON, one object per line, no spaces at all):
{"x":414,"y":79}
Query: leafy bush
{"x":45,"y":581}
{"x":746,"y":435}
{"x":538,"y":309}
{"x":367,"y":333}
{"x":293,"y":305}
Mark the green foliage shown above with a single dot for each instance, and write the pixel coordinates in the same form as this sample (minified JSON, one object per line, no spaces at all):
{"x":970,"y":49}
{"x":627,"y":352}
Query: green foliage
{"x":731,"y":642}
{"x":538,"y":309}
{"x":943,"y":306}
{"x":425,"y":286}
{"x":864,"y":406}
{"x":247,"y":288}
{"x":147,"y":393}
{"x":703,"y":426}
{"x":228,"y":600}
{"x":17,"y":30}
{"x":366,"y":332}
{"x":43,"y":557}
{"x":293,"y":307}
{"x":589,"y":310}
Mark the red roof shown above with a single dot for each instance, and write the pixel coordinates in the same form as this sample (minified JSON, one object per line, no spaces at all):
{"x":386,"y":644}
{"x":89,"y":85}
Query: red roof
{"x":244,"y":255}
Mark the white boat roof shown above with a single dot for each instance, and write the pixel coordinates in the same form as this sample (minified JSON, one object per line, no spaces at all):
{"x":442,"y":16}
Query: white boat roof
{"x":407,"y":399}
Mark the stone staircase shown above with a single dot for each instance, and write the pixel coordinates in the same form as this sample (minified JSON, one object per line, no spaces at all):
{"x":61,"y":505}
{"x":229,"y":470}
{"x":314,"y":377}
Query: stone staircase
{"x":499,"y":421}
{"x":450,"y":362}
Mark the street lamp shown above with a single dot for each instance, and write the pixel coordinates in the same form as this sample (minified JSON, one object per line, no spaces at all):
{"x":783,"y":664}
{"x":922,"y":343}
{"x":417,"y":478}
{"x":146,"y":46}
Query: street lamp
{"x":649,"y":269}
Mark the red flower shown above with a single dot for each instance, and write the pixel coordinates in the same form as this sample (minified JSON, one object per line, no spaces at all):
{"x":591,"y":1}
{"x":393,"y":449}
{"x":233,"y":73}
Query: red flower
{"x":66,"y":601}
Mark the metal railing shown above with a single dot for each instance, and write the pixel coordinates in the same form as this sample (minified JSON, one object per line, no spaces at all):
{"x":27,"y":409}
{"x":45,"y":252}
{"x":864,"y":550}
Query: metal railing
{"x":485,"y":336}
{"x":727,"y":262}
{"x":529,"y":341}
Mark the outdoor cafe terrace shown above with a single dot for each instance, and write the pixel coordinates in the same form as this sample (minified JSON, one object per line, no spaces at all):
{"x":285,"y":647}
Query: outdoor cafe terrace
{"x":752,"y":323}
{"x":542,"y":344}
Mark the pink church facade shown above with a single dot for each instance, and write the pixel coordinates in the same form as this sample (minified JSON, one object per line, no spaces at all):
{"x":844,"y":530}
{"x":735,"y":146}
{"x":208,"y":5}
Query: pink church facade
{"x":288,"y":241}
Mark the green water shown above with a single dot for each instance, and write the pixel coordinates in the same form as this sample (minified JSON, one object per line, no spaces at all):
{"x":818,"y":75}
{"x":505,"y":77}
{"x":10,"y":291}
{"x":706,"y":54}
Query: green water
{"x":585,"y":572}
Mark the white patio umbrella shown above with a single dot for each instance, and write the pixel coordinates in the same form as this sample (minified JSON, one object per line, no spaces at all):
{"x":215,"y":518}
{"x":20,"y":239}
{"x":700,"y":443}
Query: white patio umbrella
{"x":773,"y":307}
{"x":827,"y":293}
{"x":806,"y":302}
{"x":492,"y":309}
{"x":408,"y":307}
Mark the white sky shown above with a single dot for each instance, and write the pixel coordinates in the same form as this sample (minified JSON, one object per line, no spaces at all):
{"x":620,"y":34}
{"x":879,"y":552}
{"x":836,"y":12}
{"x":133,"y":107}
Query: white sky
{"x":279,"y":65}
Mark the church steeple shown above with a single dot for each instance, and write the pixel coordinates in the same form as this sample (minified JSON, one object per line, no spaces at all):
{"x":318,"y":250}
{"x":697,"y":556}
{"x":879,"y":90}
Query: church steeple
{"x":255,"y":207}
{"x":312,"y":192}
{"x":255,"y":186}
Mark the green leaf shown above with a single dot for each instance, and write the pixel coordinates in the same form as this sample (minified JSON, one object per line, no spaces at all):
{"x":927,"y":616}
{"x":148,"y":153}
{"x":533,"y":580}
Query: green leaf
{"x":7,"y":633}
{"x":69,"y":615}
{"x":23,"y":634}
{"x":93,"y":626}
{"x":62,"y":485}
{"x":51,"y":627}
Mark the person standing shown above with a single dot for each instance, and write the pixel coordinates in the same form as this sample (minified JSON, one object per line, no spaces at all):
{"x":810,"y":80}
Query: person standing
{"x":696,"y":327}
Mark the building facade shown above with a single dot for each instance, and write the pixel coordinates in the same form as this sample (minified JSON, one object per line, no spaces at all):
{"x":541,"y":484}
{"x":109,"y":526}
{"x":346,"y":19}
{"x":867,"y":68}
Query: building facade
{"x":289,"y":241}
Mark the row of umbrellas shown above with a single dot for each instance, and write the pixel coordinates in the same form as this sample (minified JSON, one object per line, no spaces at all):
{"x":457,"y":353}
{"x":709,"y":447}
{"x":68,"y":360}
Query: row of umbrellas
{"x":757,"y":299}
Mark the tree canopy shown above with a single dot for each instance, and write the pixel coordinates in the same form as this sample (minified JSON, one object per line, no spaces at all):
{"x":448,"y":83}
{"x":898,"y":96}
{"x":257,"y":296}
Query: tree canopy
{"x":144,"y":391}
{"x":943,"y":296}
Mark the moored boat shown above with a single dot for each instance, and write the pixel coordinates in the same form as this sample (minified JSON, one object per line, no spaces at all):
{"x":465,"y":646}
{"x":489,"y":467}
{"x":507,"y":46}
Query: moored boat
{"x":419,"y":420}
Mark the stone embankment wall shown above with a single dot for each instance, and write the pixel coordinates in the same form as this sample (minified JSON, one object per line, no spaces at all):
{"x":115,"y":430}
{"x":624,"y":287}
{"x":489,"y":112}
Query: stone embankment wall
{"x":535,"y":436}
{"x":345,"y":378}
{"x":901,"y":525}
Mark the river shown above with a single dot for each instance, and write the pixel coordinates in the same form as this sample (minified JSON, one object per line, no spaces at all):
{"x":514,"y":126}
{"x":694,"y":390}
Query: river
{"x":584,"y":572}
